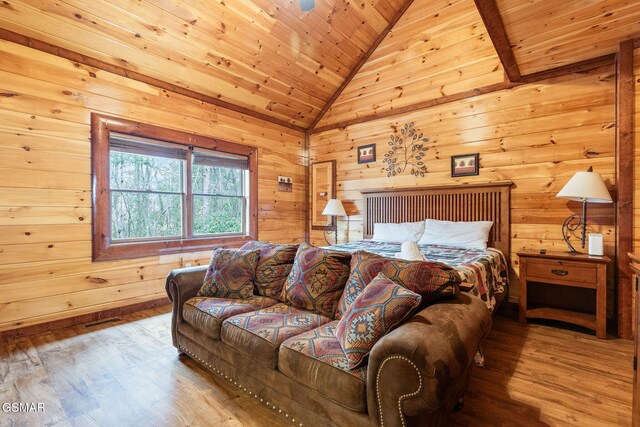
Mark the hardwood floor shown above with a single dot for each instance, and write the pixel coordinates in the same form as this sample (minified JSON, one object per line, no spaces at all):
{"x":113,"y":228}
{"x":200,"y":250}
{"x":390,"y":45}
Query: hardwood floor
{"x":127,"y":373}
{"x":537,"y":375}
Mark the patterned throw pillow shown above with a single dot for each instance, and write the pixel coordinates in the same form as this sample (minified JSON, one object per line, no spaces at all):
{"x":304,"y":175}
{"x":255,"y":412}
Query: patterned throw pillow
{"x":317,"y":279}
{"x":273,"y":267}
{"x":431,"y":280}
{"x":230,"y":274}
{"x":381,"y":306}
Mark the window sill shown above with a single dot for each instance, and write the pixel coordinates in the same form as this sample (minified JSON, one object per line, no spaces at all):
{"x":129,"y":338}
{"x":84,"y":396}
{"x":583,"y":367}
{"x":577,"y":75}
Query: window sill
{"x":131,"y":250}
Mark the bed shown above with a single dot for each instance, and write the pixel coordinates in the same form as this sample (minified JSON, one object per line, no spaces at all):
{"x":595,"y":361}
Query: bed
{"x":484,"y":271}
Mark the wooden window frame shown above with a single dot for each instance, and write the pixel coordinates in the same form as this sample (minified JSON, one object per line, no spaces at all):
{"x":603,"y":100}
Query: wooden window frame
{"x":102,"y":247}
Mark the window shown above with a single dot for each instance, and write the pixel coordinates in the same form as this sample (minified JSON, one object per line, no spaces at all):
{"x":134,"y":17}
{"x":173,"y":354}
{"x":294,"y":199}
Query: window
{"x":159,"y":191}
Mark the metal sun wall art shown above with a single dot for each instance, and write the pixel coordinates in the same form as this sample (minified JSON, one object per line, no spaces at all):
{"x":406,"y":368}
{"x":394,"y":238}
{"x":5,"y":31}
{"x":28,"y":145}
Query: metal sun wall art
{"x":406,"y":150}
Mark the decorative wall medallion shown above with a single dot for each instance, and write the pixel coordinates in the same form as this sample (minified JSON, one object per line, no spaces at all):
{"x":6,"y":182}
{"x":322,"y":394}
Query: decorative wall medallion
{"x":407,"y":151}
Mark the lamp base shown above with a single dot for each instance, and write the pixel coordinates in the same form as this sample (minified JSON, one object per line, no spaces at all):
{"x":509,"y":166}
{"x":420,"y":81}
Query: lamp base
{"x":569,"y":226}
{"x":327,"y":231}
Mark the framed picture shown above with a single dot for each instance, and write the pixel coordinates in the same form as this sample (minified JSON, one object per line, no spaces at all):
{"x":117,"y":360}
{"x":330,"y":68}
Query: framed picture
{"x":367,"y":153}
{"x":323,"y":188}
{"x":465,"y":165}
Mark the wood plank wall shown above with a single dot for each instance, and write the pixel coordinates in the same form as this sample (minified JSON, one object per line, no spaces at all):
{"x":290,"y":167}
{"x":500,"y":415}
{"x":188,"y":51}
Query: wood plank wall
{"x":537,"y":135}
{"x":46,"y":271}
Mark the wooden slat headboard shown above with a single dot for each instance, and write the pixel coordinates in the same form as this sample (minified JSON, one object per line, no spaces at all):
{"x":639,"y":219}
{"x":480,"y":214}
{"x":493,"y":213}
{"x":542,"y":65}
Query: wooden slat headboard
{"x":469,"y":202}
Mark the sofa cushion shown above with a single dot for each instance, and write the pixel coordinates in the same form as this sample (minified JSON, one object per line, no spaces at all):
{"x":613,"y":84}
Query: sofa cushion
{"x":380,"y":307}
{"x":259,"y":334}
{"x":273,"y":267}
{"x":431,"y":280}
{"x":317,"y":279}
{"x":316,"y":360}
{"x":230,"y":274}
{"x":207,"y":314}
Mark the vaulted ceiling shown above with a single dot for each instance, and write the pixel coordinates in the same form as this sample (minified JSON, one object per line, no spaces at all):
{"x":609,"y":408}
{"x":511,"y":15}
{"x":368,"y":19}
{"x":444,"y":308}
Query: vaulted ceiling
{"x":265,"y":55}
{"x":341,"y":60}
{"x":546,"y":34}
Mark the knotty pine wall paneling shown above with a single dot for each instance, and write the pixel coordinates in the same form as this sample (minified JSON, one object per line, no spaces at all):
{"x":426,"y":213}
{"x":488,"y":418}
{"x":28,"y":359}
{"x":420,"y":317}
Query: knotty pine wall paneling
{"x":536,"y":135}
{"x":46,"y":272}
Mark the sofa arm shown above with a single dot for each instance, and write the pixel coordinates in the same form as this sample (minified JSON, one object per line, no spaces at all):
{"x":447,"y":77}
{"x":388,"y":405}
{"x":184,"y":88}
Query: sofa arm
{"x":181,"y":285}
{"x":414,"y":369}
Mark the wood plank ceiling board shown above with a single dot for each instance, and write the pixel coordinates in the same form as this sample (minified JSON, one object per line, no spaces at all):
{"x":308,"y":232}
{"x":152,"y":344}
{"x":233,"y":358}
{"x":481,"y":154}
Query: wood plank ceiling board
{"x":266,"y":56}
{"x":437,"y":48}
{"x":546,"y":34}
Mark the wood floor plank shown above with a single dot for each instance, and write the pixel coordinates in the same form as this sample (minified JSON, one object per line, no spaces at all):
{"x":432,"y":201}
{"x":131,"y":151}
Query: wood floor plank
{"x":126,"y":372}
{"x":543,"y":375}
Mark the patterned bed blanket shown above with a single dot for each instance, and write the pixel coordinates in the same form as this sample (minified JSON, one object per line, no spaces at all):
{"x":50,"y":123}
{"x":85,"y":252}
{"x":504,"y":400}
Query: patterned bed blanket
{"x":485,"y":270}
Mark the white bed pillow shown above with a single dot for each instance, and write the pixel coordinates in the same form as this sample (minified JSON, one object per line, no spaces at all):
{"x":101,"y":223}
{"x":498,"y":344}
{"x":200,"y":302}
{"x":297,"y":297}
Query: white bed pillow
{"x":397,"y":233}
{"x":459,"y":234}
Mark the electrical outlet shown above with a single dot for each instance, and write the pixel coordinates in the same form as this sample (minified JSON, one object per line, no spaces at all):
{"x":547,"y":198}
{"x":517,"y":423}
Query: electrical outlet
{"x":187,"y":264}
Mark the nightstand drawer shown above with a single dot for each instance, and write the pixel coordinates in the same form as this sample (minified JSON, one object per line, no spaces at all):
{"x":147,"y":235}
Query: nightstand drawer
{"x":563,"y":272}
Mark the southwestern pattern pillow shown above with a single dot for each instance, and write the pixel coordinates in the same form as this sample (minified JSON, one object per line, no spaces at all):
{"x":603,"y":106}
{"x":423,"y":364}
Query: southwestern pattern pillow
{"x":317,"y":279}
{"x":230,"y":274}
{"x":431,"y":280}
{"x":273,"y":267}
{"x":381,"y":306}
{"x":321,"y":344}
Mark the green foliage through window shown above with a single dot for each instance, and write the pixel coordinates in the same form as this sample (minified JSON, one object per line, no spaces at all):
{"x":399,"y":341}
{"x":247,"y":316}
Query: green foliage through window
{"x":149,"y":193}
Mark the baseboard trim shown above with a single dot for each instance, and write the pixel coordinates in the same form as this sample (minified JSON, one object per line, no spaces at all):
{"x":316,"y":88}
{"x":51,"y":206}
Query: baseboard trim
{"x":83,"y":318}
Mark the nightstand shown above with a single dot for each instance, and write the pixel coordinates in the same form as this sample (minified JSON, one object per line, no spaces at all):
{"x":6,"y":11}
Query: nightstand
{"x":565,"y":269}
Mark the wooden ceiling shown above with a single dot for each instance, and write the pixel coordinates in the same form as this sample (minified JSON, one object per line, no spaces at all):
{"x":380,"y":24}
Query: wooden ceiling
{"x":546,"y":34}
{"x":438,"y":48}
{"x":264,"y":55}
{"x":341,"y":61}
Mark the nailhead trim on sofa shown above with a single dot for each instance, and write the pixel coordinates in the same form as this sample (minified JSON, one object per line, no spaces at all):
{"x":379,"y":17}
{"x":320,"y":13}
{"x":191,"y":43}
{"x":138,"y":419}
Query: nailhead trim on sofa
{"x":401,"y":398}
{"x":235,"y":383}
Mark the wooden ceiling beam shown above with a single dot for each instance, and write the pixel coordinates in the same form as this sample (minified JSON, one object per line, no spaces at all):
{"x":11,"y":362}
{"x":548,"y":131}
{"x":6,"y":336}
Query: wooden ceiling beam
{"x":360,"y":63}
{"x":578,"y":67}
{"x":115,"y":69}
{"x":495,"y":27}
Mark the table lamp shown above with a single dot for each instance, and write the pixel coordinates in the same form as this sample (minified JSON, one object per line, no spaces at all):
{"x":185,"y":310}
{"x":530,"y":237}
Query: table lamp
{"x":583,"y":187}
{"x":334,"y":208}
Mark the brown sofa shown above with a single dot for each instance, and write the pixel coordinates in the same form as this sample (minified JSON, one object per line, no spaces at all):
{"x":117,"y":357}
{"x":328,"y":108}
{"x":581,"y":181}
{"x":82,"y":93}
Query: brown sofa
{"x":415,"y":374}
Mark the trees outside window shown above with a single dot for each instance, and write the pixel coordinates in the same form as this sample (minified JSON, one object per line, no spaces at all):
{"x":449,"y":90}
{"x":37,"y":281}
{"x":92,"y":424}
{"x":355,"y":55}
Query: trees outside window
{"x":162,"y":191}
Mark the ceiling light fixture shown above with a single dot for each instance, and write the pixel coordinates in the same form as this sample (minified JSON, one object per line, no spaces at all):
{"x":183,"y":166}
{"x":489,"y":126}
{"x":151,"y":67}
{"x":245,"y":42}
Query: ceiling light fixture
{"x":307,"y":5}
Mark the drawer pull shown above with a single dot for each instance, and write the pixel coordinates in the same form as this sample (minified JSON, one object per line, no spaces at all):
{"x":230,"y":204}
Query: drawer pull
{"x":560,"y":272}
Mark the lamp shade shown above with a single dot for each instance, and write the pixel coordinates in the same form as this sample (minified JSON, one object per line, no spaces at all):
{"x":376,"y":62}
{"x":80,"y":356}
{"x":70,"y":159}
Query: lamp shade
{"x":586,"y":187}
{"x":334,"y":208}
